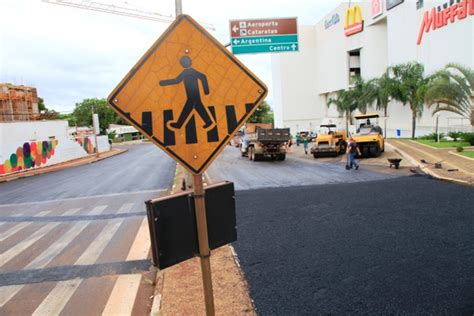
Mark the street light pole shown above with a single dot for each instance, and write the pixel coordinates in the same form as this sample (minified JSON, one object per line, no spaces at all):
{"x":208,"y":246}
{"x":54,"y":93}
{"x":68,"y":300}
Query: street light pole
{"x":178,"y":7}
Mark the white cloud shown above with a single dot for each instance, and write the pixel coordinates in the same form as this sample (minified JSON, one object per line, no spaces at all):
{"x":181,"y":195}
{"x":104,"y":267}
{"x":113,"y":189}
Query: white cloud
{"x":71,"y":54}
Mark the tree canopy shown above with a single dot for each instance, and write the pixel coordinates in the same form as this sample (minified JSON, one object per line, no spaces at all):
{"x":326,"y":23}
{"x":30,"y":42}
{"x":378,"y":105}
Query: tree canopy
{"x":83,"y":113}
{"x":263,"y":114}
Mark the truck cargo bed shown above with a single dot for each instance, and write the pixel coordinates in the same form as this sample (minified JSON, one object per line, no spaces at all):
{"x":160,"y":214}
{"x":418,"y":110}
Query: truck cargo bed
{"x":271,"y":135}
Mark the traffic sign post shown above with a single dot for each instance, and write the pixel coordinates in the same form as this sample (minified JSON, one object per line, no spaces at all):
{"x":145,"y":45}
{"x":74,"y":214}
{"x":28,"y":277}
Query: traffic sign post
{"x":189,"y":96}
{"x":264,"y":36}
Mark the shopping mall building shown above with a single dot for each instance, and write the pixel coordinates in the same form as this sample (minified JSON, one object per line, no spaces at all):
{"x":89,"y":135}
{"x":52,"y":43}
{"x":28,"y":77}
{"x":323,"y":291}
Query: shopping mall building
{"x":365,"y":38}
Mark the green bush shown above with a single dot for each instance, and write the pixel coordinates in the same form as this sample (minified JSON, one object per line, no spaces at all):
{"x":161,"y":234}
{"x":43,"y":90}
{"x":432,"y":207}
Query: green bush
{"x":455,"y":135}
{"x":433,"y":136}
{"x":468,"y":137}
{"x":459,"y":149}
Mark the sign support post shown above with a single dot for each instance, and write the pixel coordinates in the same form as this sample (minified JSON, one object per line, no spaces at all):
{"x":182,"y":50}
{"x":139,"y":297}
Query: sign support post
{"x":203,"y":240}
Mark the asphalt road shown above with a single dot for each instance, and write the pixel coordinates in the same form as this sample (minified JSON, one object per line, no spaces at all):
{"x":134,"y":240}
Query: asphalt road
{"x":76,"y":241}
{"x":395,"y":246}
{"x":142,"y":167}
{"x":293,"y":171}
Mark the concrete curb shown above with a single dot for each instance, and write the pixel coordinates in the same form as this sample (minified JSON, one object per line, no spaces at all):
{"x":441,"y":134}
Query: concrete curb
{"x":424,"y":168}
{"x":60,"y":166}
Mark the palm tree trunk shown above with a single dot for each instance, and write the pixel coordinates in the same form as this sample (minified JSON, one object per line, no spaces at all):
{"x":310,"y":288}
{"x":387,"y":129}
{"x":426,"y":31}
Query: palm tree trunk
{"x":413,"y":124}
{"x":347,"y":125}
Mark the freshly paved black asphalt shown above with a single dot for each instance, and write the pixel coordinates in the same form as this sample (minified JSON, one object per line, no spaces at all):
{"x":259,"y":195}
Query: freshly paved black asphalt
{"x":395,"y":246}
{"x":142,"y":167}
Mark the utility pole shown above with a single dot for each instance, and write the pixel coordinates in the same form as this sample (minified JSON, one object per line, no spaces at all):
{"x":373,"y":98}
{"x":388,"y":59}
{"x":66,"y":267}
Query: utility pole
{"x":95,"y":132}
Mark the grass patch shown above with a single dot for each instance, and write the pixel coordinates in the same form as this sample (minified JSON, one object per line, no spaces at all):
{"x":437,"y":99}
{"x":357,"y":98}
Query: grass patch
{"x":442,"y":143}
{"x":468,"y":153}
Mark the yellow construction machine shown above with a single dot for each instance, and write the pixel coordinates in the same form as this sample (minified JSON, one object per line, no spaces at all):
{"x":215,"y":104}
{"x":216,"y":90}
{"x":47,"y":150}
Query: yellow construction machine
{"x":369,"y":135}
{"x":330,"y":142}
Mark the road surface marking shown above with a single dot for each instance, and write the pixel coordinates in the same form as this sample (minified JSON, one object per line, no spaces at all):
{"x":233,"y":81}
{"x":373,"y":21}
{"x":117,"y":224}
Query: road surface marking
{"x":71,"y":211}
{"x":141,"y":244}
{"x":7,"y":292}
{"x":96,"y":247}
{"x":57,"y":298}
{"x":97,"y":210}
{"x":125,"y":290}
{"x":125,"y":208}
{"x":13,"y":230}
{"x":21,"y":246}
{"x":57,"y":247}
{"x":85,"y":197}
{"x":123,"y":295}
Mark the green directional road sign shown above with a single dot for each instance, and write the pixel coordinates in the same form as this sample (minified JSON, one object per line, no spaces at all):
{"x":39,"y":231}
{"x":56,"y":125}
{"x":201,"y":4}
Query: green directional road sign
{"x":264,"y":36}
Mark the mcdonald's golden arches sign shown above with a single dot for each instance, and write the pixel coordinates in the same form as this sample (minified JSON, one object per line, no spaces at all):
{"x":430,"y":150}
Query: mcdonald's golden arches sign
{"x":353,"y":23}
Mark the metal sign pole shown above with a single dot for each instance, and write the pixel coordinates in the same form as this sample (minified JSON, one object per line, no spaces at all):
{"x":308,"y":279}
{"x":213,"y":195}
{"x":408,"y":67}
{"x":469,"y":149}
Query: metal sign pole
{"x":204,"y":252}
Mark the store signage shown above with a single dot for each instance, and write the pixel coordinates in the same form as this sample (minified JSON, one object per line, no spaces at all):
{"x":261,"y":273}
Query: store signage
{"x":354,"y":23}
{"x":376,"y":8}
{"x":264,"y":36}
{"x":436,"y":19}
{"x":332,"y":21}
{"x":393,"y":3}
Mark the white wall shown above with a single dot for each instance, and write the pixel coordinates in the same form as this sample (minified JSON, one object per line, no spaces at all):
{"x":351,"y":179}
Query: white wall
{"x":14,"y":134}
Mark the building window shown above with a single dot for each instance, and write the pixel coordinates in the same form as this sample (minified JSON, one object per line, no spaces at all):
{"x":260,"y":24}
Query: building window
{"x":419,"y":4}
{"x":354,"y":64}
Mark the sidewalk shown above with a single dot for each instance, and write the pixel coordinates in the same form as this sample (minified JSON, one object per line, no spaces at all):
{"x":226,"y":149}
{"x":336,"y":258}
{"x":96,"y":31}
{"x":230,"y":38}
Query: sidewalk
{"x":179,"y":288}
{"x":454,"y":168}
{"x":61,"y":166}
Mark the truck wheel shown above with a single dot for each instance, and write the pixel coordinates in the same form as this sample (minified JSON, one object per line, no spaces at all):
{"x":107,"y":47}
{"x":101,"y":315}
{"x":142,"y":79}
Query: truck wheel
{"x":242,"y":154}
{"x":378,"y":151}
{"x":315,"y":155}
{"x":383,"y":148}
{"x":281,"y":157}
{"x":257,"y":157}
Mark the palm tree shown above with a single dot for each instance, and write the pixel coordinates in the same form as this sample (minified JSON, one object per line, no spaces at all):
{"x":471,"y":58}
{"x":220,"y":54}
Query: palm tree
{"x":345,"y":105}
{"x":409,"y":87}
{"x":452,"y":90}
{"x":359,"y":92}
{"x":379,"y":90}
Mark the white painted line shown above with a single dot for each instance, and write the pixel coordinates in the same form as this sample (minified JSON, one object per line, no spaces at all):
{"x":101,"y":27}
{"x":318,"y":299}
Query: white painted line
{"x":13,"y":230}
{"x":141,"y":244}
{"x":97,"y":210}
{"x":127,"y":207}
{"x":7,"y":292}
{"x":57,"y":298}
{"x":42,"y":213}
{"x":123,"y":295}
{"x":86,"y":197}
{"x":71,"y":211}
{"x":21,"y":246}
{"x":92,"y":253}
{"x":57,"y":247}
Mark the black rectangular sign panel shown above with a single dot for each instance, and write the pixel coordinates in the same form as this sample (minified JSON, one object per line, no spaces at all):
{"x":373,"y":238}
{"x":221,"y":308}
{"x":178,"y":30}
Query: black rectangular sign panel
{"x":393,"y":3}
{"x":172,"y":224}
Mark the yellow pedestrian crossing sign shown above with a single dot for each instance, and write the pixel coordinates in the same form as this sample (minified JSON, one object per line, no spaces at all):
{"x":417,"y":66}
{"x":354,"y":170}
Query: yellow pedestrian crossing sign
{"x":188,"y":94}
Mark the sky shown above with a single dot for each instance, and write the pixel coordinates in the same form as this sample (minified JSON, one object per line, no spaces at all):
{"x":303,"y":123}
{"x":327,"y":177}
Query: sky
{"x":71,"y":54}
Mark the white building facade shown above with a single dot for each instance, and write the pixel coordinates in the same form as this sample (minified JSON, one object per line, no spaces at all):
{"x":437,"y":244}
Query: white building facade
{"x":366,"y":39}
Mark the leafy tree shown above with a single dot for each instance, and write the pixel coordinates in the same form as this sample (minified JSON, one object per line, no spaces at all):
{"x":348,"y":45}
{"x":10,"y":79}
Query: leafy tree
{"x":263,"y":114}
{"x":360,"y":93}
{"x":379,"y":90}
{"x":345,"y":104}
{"x":83,"y":113}
{"x":45,"y":113}
{"x":452,"y":90}
{"x":409,"y":87}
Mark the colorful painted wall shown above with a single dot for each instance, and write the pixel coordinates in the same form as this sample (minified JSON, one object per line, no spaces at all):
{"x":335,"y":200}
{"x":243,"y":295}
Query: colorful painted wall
{"x":29,"y":155}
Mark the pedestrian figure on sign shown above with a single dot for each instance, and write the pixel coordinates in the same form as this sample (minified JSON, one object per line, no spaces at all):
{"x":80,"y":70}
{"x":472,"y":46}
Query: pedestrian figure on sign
{"x":191,"y":78}
{"x":305,"y":145}
{"x":352,"y":152}
{"x":298,"y":139}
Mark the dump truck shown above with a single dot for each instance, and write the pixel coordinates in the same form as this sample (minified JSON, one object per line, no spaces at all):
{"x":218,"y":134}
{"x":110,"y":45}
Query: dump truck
{"x":331,"y":142}
{"x":369,"y":135}
{"x":259,"y":143}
